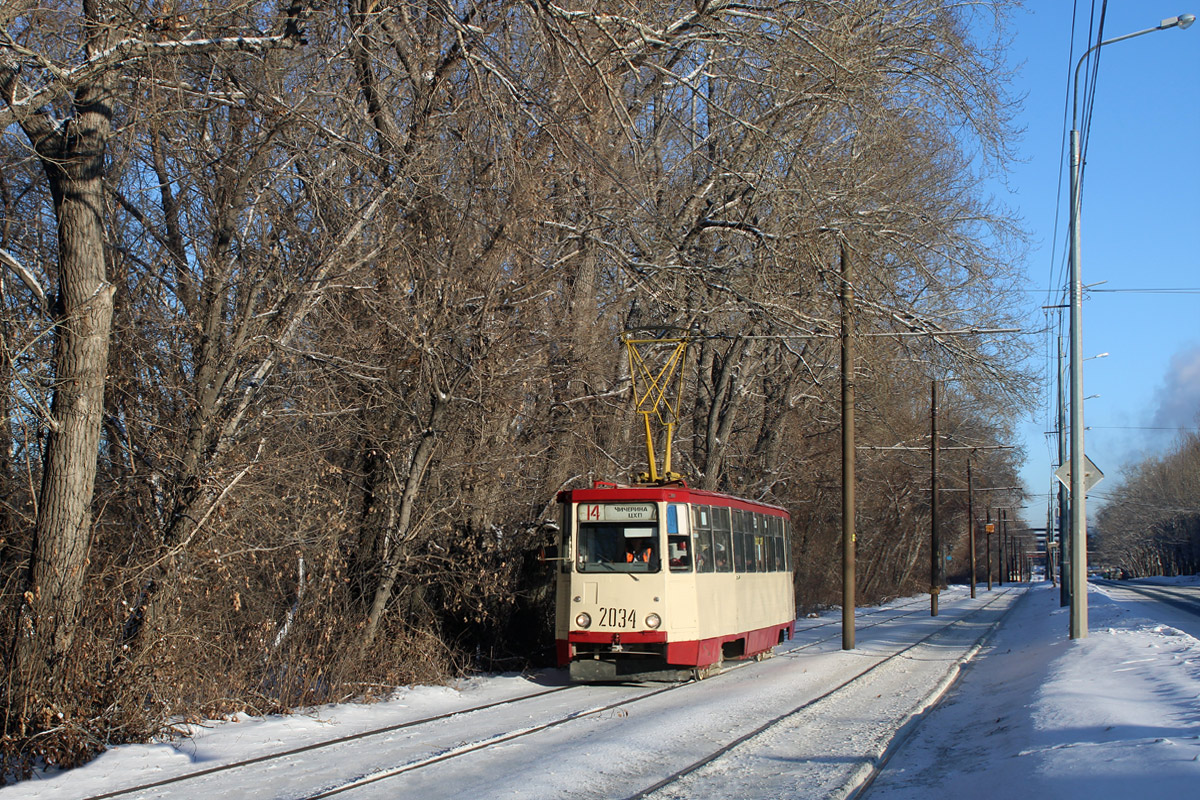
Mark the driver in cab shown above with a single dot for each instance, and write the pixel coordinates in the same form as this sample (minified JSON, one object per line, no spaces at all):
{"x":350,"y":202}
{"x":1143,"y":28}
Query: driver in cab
{"x":638,"y":550}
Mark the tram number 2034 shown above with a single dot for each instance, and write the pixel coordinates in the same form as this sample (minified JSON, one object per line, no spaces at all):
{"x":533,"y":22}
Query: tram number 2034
{"x":618,"y":617}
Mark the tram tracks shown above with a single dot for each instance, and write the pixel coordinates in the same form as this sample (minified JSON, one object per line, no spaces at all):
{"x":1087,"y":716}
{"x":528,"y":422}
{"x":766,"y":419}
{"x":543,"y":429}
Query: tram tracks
{"x":295,"y":751}
{"x":481,"y":745}
{"x":860,"y":624}
{"x":439,"y":754}
{"x":813,"y":705}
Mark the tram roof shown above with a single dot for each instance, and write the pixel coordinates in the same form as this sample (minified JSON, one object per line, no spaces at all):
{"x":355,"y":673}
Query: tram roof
{"x":602,"y":492}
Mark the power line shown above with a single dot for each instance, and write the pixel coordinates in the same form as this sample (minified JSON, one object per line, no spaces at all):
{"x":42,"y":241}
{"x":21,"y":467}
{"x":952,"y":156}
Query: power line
{"x":1164,"y":290}
{"x":1062,"y":149}
{"x":1057,"y":265}
{"x":1142,"y":428}
{"x":1125,"y":500}
{"x":1091,"y":91}
{"x":1142,"y":290}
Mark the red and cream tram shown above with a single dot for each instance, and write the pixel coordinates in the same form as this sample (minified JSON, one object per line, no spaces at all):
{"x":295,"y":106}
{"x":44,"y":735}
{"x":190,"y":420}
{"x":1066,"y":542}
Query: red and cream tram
{"x":663,"y":582}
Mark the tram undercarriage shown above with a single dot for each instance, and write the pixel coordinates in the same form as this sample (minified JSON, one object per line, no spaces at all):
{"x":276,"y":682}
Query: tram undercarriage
{"x":596,"y":660}
{"x":599,"y":667}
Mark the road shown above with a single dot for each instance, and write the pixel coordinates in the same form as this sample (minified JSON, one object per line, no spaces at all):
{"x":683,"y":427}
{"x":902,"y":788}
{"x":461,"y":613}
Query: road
{"x":1178,"y":606}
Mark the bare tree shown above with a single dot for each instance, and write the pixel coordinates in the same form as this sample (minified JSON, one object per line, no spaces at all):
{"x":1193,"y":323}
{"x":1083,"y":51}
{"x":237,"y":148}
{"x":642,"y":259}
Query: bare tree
{"x":1150,"y":524}
{"x":66,"y":111}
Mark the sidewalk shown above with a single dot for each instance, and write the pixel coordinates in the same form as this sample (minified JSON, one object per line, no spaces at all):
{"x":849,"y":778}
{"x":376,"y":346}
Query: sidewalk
{"x":1114,"y":715}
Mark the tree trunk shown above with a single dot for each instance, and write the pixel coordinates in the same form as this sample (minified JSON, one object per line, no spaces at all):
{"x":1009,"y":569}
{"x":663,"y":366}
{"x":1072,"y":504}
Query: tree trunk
{"x":73,"y":163}
{"x":399,"y":535}
{"x":726,"y":390}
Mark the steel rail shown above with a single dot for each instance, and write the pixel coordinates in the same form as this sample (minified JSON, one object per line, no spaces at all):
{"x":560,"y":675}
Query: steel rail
{"x":794,"y":651}
{"x":318,"y":745}
{"x":504,"y":738}
{"x":677,"y":775}
{"x":486,"y":743}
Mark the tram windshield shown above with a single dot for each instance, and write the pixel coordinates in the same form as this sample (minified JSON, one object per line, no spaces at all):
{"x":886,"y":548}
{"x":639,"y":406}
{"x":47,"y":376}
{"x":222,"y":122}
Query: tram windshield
{"x":617,"y":547}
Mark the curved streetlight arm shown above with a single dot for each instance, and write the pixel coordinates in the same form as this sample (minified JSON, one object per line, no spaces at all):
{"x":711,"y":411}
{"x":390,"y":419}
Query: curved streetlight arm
{"x":1183,"y":21}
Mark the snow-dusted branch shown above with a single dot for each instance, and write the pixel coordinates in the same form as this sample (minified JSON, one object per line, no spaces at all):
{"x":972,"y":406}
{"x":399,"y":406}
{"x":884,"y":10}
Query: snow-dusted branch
{"x":128,"y":51}
{"x":27,"y":278}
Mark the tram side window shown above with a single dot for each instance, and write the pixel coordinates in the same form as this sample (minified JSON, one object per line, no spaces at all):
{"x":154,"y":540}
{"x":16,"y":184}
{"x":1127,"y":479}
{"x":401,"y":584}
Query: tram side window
{"x":760,"y":543}
{"x":740,"y":535}
{"x":754,"y":550}
{"x":679,"y":552}
{"x":703,"y":538}
{"x":774,"y":550}
{"x":787,"y":545}
{"x":722,"y":544}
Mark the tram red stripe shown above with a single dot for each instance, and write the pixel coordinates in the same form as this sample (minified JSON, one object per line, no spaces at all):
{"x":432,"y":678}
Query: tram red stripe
{"x":691,"y":653}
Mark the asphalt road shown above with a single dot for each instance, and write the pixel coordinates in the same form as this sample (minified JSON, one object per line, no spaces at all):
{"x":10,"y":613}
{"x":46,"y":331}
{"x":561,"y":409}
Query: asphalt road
{"x":1176,"y":605}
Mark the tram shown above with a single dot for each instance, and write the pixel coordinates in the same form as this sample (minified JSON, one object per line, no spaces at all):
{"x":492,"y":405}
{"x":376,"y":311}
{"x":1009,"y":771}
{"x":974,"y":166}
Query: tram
{"x":665,"y":582}
{"x":659,"y":581}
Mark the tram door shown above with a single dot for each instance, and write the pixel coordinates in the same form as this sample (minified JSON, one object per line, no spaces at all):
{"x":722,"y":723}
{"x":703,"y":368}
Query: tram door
{"x":681,"y":571}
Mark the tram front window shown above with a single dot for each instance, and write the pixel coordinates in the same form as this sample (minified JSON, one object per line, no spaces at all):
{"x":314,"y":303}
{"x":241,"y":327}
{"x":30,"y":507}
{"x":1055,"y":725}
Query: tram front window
{"x":616,"y":547}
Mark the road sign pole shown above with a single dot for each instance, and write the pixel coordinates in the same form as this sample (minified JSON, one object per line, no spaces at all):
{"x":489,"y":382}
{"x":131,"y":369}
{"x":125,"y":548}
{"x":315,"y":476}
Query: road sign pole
{"x":971,"y":523}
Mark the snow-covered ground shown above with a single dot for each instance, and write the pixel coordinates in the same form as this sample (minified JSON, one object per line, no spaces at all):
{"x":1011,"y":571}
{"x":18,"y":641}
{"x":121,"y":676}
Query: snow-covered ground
{"x":1033,"y":715}
{"x":1114,"y":715}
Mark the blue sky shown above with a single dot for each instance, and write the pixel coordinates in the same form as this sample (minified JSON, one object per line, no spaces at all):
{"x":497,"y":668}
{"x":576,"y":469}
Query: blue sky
{"x":1140,"y":229}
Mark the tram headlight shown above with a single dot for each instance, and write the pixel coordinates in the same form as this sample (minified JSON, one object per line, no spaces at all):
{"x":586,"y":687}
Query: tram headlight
{"x":583,"y":619}
{"x":653,"y":621}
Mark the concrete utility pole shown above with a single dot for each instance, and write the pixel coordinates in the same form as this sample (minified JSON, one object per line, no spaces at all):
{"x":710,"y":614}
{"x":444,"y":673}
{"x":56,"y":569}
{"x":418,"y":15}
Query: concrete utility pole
{"x":1050,"y":559}
{"x":935,"y":543}
{"x":1079,"y":607}
{"x":1006,"y":552}
{"x":1064,"y":539}
{"x":848,"y":537}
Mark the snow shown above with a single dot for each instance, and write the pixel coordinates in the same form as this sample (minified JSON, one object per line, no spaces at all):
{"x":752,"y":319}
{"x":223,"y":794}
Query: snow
{"x":1112,"y":715}
{"x":1033,"y":714}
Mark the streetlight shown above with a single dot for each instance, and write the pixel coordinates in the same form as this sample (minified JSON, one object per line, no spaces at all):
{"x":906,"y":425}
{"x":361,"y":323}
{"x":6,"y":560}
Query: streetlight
{"x":1098,"y":355}
{"x":1078,"y":527}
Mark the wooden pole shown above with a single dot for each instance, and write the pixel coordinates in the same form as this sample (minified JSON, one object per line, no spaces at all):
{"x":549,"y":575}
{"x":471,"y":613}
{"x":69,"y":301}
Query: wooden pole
{"x":935,"y":544}
{"x":848,"y":537}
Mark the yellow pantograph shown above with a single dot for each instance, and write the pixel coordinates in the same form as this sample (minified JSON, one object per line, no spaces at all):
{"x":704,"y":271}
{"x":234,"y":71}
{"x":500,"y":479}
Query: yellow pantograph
{"x":656,"y":370}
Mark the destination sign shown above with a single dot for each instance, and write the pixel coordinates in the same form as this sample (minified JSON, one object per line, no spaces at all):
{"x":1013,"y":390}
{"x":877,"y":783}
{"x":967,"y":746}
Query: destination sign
{"x":616,"y":512}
